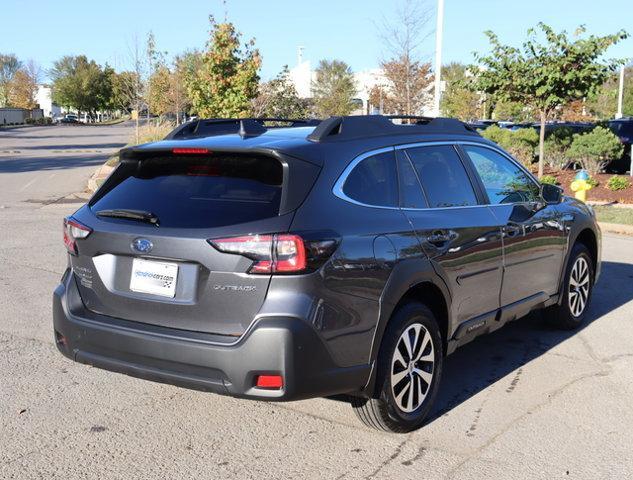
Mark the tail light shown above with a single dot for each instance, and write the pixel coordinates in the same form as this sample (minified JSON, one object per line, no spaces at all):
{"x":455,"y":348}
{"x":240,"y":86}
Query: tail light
{"x":277,"y":253}
{"x":74,"y":230}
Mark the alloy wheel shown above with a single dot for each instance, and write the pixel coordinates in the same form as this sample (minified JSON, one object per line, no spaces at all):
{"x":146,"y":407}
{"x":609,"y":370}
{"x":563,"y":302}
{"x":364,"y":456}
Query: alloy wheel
{"x":579,"y":283}
{"x":412,"y":367}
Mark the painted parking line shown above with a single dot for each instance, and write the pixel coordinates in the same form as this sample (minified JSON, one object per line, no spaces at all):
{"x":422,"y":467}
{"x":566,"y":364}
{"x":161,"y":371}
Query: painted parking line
{"x":27,"y":185}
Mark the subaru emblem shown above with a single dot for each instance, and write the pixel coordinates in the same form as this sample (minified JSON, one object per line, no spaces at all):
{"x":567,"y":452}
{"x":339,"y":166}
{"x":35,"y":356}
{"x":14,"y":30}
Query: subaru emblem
{"x":142,"y":245}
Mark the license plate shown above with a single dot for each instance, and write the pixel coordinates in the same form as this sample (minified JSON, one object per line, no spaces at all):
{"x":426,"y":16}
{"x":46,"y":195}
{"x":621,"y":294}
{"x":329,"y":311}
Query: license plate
{"x":157,"y":278}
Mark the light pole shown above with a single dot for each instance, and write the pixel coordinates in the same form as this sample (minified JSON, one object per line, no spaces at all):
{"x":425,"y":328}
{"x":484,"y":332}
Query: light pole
{"x":620,"y":95}
{"x":438,"y":57}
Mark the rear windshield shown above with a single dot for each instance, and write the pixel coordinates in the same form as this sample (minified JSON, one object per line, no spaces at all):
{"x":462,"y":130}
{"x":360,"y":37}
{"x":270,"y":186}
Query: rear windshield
{"x":206,"y":192}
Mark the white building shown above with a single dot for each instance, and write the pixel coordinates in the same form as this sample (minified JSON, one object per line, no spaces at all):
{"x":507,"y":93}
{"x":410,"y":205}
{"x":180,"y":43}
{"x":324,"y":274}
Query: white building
{"x":302,"y":76}
{"x":44,"y":98}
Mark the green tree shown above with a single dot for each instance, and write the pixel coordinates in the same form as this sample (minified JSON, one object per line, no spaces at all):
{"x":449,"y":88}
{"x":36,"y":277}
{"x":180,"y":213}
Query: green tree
{"x":158,"y":89}
{"x":334,"y":89}
{"x":604,"y":102}
{"x":9,"y":66}
{"x":278,"y":98}
{"x":166,"y":90}
{"x":546,"y":72}
{"x":594,"y":150}
{"x":125,"y":91}
{"x":458,"y":100}
{"x":520,"y":143}
{"x":81,"y":84}
{"x":227,"y":79}
{"x":505,"y":110}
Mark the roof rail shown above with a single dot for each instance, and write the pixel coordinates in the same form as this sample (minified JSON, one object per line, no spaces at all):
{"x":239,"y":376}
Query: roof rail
{"x":246,"y":127}
{"x":363,"y":126}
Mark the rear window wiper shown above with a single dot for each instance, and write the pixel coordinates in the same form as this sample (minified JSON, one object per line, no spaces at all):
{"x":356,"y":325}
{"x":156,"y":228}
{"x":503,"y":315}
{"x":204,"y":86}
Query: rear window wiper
{"x":139,"y":215}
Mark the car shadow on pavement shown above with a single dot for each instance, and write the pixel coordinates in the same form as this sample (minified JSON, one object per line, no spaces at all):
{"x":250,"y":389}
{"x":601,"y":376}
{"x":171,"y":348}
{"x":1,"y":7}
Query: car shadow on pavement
{"x":68,"y":148}
{"x":489,"y":358}
{"x":483,"y":362}
{"x":61,"y":162}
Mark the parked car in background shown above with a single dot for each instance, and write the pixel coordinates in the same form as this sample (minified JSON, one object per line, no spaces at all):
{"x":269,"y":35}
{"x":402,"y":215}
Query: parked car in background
{"x":70,"y":118}
{"x":287,"y":263}
{"x":481,"y":125}
{"x":623,"y":128}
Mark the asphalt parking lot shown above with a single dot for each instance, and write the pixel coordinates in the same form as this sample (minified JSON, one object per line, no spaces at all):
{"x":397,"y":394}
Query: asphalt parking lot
{"x":525,"y":402}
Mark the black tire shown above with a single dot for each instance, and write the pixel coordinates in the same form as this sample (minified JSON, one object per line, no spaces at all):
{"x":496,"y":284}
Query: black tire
{"x":562,"y":315}
{"x":384,"y":412}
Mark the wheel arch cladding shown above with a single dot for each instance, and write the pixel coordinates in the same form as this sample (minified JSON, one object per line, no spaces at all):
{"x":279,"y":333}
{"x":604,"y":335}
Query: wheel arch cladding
{"x":429,"y":294}
{"x":425,"y":291}
{"x":588,"y":238}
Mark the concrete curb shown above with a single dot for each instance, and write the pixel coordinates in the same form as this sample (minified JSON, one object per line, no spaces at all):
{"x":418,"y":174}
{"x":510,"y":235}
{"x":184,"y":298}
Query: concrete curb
{"x":616,"y":228}
{"x":98,"y":177}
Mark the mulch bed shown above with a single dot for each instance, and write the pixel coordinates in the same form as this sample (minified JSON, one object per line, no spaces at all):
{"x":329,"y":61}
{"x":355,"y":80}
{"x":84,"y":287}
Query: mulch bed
{"x":598,"y":194}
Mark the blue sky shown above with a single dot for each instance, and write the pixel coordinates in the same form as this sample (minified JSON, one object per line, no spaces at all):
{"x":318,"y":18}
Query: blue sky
{"x":44,"y":30}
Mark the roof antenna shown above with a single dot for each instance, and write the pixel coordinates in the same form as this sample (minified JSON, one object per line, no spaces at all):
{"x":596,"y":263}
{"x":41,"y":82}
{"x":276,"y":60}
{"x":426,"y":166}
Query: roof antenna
{"x":250,"y":128}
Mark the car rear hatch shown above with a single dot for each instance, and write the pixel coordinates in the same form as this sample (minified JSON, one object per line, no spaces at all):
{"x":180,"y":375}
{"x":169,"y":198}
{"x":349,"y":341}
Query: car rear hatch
{"x":148,"y":256}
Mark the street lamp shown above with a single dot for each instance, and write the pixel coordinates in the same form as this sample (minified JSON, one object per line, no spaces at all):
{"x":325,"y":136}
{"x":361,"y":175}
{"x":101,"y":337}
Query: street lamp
{"x":619,"y":114}
{"x":438,"y":57}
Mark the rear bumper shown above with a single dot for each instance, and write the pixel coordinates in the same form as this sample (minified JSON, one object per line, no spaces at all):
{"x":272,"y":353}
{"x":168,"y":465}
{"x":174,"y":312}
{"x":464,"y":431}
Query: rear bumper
{"x":274,"y":345}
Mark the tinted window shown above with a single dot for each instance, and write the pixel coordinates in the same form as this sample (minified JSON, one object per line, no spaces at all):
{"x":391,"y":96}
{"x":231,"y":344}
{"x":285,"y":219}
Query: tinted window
{"x":503,"y":180}
{"x":443,"y":177}
{"x":373,"y":181}
{"x":199,"y":192}
{"x":411,"y":195}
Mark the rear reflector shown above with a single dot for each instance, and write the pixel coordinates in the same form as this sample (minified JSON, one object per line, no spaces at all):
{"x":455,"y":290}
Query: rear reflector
{"x":189,"y":151}
{"x":269,"y":381}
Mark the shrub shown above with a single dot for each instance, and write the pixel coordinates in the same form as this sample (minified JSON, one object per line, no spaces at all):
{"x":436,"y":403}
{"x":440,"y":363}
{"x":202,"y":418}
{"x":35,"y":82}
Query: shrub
{"x":594,"y":150}
{"x":520,"y":143}
{"x":152,"y":133}
{"x":29,"y":121}
{"x":556,"y":145}
{"x":549,"y":179}
{"x":616,"y":183}
{"x":112,"y":161}
{"x":593,"y":183}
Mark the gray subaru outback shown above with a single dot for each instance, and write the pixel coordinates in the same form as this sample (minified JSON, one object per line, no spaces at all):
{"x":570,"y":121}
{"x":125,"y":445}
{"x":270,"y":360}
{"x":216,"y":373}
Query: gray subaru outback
{"x":282,"y":260}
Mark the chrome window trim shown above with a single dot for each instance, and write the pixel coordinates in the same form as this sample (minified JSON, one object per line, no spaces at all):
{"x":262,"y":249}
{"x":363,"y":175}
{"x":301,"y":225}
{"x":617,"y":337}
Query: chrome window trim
{"x":337,"y":190}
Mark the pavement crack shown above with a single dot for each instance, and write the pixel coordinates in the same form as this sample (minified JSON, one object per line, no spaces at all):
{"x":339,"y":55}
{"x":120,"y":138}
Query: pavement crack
{"x":22,"y":265}
{"x":589,"y":348}
{"x":390,"y":459}
{"x":614,"y":358}
{"x":418,"y":456}
{"x":453,"y":473}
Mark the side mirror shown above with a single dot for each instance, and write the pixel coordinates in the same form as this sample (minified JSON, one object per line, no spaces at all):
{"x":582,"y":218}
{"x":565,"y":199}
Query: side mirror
{"x":552,"y":194}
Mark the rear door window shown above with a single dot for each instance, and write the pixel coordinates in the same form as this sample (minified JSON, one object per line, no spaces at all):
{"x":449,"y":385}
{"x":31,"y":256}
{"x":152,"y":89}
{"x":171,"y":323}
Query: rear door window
{"x":205,"y":192}
{"x":374,"y":181}
{"x":411,"y":195}
{"x":444,"y":179}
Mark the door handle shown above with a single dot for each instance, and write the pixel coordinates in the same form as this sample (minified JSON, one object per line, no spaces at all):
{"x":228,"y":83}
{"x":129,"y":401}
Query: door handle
{"x":441,"y":237}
